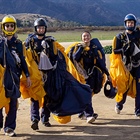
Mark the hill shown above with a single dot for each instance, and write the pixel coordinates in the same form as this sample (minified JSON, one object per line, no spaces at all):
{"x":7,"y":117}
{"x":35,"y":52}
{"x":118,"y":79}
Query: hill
{"x":86,"y":12}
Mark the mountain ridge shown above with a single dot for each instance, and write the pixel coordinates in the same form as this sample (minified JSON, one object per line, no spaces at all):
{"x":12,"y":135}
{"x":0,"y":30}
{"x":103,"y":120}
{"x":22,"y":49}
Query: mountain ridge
{"x":85,"y":12}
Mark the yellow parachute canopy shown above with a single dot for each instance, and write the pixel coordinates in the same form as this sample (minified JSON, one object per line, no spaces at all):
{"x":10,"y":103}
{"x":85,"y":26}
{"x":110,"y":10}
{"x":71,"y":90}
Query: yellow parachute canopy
{"x":121,"y":77}
{"x":36,"y":91}
{"x":3,"y":100}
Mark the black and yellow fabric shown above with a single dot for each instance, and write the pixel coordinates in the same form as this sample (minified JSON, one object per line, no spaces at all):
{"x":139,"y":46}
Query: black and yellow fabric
{"x":95,"y":70}
{"x":63,"y":90}
{"x":62,"y":119}
{"x":121,"y":77}
{"x":70,"y":66}
{"x":70,"y":91}
{"x":36,"y":91}
{"x":3,"y":100}
{"x":5,"y":63}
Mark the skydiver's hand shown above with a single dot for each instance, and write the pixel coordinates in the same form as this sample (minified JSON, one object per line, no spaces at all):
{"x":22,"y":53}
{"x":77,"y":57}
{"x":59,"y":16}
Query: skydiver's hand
{"x":28,"y":82}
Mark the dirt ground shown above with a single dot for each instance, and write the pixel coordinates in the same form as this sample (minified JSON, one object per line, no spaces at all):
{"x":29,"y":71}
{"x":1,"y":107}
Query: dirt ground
{"x":108,"y":126}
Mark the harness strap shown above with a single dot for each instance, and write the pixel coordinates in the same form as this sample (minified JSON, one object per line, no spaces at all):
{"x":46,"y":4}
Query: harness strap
{"x":33,"y":51}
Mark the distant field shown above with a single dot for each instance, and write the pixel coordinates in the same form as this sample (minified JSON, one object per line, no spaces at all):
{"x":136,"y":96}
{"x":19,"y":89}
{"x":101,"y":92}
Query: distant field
{"x":74,"y":36}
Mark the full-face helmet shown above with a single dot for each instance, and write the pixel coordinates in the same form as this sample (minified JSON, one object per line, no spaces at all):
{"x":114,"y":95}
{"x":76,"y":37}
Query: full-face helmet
{"x":129,"y":17}
{"x":8,"y":19}
{"x":40,"y":22}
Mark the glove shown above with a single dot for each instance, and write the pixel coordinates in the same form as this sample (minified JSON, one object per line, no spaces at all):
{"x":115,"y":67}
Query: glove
{"x":44,"y":44}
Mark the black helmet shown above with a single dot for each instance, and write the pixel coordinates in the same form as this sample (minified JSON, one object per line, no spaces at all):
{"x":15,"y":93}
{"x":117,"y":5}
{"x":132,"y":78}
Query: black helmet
{"x":130,"y":17}
{"x":40,"y":22}
{"x":109,"y":90}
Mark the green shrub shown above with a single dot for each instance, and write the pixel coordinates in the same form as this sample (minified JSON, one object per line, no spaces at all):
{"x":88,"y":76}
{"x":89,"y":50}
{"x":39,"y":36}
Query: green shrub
{"x":108,"y":49}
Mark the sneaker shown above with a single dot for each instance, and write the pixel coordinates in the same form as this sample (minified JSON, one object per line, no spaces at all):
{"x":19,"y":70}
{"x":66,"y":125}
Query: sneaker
{"x":117,"y":110}
{"x":34,"y":125}
{"x":10,"y":132}
{"x":138,"y":115}
{"x":95,"y":115}
{"x":47,"y":124}
{"x":90,"y":119}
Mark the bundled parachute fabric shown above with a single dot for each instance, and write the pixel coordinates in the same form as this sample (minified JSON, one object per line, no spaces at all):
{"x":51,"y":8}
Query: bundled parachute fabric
{"x":11,"y":84}
{"x":96,"y":42}
{"x":70,"y":67}
{"x":104,"y":50}
{"x":36,"y":91}
{"x":95,"y":80}
{"x":6,"y":61}
{"x":67,"y":95}
{"x":11,"y":79}
{"x":70,"y":46}
{"x":3,"y":100}
{"x":62,"y":119}
{"x":2,"y":52}
{"x":121,"y":77}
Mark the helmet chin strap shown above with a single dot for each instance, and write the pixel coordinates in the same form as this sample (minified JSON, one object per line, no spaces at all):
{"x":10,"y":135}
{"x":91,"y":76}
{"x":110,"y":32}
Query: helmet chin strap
{"x":130,"y":28}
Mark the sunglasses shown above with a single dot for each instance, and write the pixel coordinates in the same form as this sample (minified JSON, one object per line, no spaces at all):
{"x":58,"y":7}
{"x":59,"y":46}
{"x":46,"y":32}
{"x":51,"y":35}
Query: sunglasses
{"x":9,"y":25}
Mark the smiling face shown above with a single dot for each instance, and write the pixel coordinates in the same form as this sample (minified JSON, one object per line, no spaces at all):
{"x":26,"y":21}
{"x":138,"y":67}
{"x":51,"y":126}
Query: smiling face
{"x":86,"y":37}
{"x":130,"y":23}
{"x":41,"y":29}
